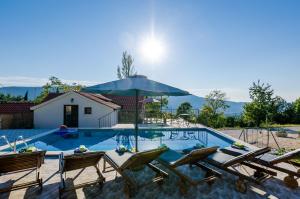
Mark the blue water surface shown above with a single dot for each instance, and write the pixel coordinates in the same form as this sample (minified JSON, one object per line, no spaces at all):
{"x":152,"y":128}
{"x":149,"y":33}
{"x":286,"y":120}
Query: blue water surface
{"x":108,"y":139}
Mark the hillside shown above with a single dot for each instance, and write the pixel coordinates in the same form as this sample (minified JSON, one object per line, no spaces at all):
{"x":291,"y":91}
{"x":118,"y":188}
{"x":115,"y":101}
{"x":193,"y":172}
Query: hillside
{"x":33,"y":92}
{"x":174,"y":102}
{"x":197,"y":103}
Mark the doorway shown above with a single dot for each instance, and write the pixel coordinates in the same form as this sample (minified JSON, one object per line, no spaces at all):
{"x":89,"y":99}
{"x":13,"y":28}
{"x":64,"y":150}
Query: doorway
{"x":71,"y":115}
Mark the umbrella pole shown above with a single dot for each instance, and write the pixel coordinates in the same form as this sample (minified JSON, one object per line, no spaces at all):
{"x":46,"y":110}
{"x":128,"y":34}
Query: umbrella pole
{"x":136,"y":119}
{"x":161,"y":109}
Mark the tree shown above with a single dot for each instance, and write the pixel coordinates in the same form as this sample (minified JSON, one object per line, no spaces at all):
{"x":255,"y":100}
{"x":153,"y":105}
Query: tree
{"x":215,"y":100}
{"x":127,"y":69}
{"x":56,"y":85}
{"x":153,"y":109}
{"x":296,"y":105}
{"x":212,"y":113}
{"x":10,"y":98}
{"x":184,"y":108}
{"x":26,"y":96}
{"x":263,"y":106}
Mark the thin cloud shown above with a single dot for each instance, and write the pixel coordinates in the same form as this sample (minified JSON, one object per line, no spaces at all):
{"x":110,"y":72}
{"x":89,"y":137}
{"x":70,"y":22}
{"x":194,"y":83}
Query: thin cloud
{"x":242,"y":95}
{"x":232,"y":94}
{"x":34,"y":81}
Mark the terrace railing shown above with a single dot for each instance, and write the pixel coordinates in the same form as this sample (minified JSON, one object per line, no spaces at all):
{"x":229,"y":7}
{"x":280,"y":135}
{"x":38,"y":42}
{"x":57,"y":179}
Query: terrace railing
{"x":166,"y":116}
{"x":169,"y":135}
{"x":107,"y":120}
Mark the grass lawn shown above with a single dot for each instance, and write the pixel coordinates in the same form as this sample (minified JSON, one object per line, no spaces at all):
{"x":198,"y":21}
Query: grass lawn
{"x":285,"y":125}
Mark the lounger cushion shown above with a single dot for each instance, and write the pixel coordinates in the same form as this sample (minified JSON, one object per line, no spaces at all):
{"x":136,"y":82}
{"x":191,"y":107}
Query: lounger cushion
{"x":130,"y":160}
{"x":219,"y":158}
{"x":266,"y":158}
{"x":170,"y":156}
{"x":176,"y":159}
{"x":118,"y":158}
{"x":19,"y":161}
{"x":80,"y":160}
{"x":195,"y":156}
{"x":234,"y":151}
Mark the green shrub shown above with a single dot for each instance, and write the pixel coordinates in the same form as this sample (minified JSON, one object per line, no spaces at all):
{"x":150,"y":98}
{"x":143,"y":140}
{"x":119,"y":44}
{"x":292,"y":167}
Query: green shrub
{"x":280,"y":151}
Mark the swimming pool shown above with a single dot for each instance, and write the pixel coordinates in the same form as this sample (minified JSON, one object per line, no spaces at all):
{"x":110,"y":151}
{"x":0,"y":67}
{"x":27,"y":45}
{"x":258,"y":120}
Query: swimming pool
{"x":107,"y":139}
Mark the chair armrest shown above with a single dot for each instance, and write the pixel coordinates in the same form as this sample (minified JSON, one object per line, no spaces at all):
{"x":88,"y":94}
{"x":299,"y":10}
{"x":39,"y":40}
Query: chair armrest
{"x":246,"y":157}
{"x":286,"y":157}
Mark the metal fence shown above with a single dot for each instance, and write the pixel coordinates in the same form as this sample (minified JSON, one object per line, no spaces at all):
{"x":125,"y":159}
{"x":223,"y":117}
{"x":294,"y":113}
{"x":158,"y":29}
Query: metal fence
{"x":154,"y":116}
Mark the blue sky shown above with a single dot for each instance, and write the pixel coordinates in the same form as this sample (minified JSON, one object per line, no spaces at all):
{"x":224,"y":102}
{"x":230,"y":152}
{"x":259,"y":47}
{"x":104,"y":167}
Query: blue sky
{"x":208,"y":44}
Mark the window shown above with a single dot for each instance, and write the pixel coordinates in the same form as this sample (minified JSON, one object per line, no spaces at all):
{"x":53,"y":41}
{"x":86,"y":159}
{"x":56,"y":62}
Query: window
{"x":88,"y":110}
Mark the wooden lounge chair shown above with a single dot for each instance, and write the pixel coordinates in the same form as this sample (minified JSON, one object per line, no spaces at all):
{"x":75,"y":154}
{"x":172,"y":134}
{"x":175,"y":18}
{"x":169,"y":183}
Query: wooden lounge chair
{"x":20,"y":162}
{"x":127,"y":162}
{"x":230,"y":164}
{"x":281,"y":163}
{"x":173,"y":160}
{"x":79,"y":161}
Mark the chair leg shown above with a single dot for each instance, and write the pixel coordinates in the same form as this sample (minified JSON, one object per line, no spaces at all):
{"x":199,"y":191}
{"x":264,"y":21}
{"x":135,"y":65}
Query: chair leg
{"x":210,"y":174}
{"x":291,"y":182}
{"x":104,"y":165}
{"x":182,"y":186}
{"x":100,"y":174}
{"x":41,"y":184}
{"x":129,"y":190}
{"x":241,"y":186}
{"x":62,"y":186}
{"x":38,"y":179}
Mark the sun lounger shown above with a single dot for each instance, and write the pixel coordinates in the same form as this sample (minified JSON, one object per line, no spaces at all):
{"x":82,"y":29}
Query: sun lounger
{"x":231,"y":164}
{"x":173,"y":160}
{"x":281,"y":163}
{"x":127,"y":162}
{"x":12,"y":163}
{"x":79,"y":161}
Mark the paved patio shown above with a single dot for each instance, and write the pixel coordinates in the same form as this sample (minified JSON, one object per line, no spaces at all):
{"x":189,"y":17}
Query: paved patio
{"x":113,"y":188}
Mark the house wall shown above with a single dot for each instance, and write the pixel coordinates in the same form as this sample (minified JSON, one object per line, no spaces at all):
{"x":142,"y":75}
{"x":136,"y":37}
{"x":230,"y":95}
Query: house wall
{"x":51,"y":115}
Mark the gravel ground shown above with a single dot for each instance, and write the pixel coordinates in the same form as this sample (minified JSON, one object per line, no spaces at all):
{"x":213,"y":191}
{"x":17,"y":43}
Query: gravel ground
{"x":260,"y":138}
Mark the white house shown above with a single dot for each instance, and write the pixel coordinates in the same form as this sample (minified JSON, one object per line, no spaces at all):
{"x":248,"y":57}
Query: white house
{"x":76,"y":109}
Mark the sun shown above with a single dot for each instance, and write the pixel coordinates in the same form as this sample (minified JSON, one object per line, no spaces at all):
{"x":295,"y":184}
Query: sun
{"x":152,"y":49}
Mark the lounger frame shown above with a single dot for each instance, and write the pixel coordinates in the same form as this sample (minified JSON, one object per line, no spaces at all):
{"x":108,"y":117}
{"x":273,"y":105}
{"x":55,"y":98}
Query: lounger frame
{"x":277,"y":164}
{"x":79,"y":161}
{"x":20,"y":162}
{"x":241,"y":161}
{"x":135,"y":161}
{"x":192,"y":159}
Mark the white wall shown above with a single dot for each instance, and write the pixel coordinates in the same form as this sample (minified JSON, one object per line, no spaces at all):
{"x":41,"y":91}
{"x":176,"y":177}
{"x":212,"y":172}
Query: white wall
{"x":51,"y":115}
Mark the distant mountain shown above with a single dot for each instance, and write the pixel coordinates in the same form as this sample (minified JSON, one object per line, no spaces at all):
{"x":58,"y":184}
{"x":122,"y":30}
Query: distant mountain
{"x":197,"y":102}
{"x":33,"y":92}
{"x":235,"y":108}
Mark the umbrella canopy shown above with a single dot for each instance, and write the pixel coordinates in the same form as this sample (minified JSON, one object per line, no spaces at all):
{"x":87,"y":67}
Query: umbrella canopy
{"x":137,"y":85}
{"x":129,"y":86}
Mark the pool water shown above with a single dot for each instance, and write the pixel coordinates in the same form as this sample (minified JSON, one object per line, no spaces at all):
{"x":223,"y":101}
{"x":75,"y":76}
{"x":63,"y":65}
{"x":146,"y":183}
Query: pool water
{"x":100,"y":139}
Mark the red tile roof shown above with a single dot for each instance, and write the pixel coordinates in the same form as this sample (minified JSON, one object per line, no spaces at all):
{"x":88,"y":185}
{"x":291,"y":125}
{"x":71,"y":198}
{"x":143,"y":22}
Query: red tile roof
{"x":126,"y":102}
{"x":100,"y":99}
{"x":113,"y":101}
{"x":15,"y":107}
